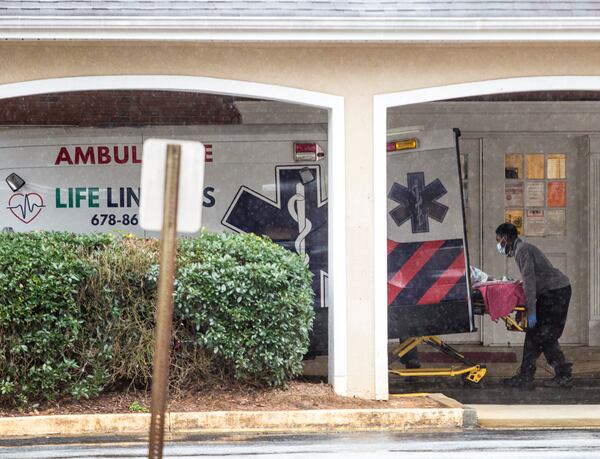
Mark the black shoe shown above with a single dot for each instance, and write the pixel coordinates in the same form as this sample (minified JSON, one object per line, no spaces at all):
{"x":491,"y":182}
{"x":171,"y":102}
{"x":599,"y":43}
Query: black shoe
{"x":559,"y":381}
{"x":519,"y":381}
{"x":413,"y":364}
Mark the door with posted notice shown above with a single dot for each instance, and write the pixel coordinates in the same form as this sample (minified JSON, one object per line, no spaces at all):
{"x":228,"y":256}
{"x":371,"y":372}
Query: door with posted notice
{"x":538,"y":182}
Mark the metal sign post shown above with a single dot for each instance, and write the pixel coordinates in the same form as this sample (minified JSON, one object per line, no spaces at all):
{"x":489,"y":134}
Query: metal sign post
{"x":164,"y":310}
{"x":172,"y":175}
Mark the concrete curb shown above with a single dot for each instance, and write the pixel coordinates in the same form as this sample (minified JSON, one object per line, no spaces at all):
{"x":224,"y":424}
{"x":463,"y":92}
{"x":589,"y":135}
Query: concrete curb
{"x":317,"y":420}
{"x":469,"y":413}
{"x":538,"y":416}
{"x":64,"y":425}
{"x":450,"y":416}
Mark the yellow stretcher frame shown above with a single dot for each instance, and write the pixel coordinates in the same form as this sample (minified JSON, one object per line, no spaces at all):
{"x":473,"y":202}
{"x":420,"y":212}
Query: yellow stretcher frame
{"x":473,"y":372}
{"x":516,"y":324}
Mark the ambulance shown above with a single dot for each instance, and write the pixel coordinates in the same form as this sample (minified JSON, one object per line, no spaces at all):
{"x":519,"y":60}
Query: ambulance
{"x":268,"y":179}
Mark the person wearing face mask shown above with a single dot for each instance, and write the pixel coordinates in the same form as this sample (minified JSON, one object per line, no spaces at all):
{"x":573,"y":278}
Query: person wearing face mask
{"x":547,"y":295}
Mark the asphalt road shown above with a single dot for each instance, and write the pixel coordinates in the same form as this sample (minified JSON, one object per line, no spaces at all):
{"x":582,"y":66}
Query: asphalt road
{"x":584,"y":392}
{"x":450,"y":445}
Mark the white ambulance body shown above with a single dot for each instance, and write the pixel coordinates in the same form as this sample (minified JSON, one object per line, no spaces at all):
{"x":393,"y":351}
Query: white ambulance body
{"x":87,"y":180}
{"x":82,"y":172}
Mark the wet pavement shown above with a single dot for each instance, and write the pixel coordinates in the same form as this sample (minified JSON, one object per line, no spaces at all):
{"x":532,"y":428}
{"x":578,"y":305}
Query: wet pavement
{"x":492,"y":391}
{"x":571,"y":444}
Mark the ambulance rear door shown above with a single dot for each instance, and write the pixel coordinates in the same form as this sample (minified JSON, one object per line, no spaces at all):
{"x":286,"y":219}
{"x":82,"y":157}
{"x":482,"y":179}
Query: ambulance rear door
{"x":428,"y":282}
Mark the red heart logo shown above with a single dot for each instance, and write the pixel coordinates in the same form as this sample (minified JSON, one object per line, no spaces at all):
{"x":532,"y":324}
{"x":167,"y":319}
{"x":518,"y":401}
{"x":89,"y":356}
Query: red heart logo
{"x":26,"y":207}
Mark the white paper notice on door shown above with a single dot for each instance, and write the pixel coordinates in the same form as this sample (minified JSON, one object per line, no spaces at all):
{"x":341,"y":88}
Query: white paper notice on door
{"x":556,"y":222}
{"x":535,"y":223}
{"x":513,"y":194}
{"x":534,"y":194}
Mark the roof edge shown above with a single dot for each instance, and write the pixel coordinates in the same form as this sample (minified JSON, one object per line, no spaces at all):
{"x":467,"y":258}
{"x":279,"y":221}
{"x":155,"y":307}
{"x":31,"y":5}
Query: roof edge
{"x":267,"y":29}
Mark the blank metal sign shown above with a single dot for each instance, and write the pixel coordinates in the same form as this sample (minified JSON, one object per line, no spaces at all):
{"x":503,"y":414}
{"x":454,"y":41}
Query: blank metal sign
{"x":191,"y":183}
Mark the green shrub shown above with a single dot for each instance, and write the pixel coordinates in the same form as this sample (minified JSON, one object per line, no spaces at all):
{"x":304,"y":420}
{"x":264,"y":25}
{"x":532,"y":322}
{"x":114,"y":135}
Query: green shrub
{"x":248,"y":301}
{"x":77,"y":313}
{"x":41,"y":324}
{"x":118,"y":303}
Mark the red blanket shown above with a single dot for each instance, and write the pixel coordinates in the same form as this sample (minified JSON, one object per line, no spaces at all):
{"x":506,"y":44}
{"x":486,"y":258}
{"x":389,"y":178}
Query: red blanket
{"x":501,"y":297}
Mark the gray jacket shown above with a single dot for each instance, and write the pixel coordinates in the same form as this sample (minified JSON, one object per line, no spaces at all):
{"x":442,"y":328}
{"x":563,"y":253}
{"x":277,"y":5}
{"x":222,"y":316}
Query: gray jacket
{"x":537,"y":273}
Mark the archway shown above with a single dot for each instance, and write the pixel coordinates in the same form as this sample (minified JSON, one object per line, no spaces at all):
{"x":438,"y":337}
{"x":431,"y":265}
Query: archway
{"x":336,"y":167}
{"x":442,"y":93}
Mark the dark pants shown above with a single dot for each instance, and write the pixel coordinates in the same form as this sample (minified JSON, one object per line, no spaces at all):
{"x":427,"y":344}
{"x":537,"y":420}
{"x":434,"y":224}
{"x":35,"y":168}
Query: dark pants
{"x":551,"y":308}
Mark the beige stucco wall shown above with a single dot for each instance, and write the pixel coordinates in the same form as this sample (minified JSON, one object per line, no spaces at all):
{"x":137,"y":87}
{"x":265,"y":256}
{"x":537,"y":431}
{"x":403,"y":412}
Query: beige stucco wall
{"x":356,"y":72}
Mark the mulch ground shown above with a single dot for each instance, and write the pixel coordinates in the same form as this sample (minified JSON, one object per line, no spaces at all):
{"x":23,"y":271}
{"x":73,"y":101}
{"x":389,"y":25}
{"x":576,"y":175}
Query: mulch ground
{"x":300,"y":395}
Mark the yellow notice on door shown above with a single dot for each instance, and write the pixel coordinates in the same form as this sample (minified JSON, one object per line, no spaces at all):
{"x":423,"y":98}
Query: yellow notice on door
{"x":515,"y":217}
{"x":557,"y":166}
{"x":513,"y":166}
{"x":535,"y":166}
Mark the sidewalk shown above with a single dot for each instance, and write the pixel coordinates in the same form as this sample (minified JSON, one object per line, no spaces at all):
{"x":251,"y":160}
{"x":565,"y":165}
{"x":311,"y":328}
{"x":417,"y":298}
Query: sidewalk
{"x":538,"y":416}
{"x":449,"y":415}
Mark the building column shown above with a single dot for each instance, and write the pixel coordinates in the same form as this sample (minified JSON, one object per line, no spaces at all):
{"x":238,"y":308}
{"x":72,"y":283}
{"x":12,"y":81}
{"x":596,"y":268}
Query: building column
{"x":364,"y":378}
{"x":594,"y":242}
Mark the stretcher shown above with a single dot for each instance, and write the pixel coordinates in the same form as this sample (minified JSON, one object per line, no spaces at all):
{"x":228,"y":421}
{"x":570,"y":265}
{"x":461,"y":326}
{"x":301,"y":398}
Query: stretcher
{"x":472,"y":372}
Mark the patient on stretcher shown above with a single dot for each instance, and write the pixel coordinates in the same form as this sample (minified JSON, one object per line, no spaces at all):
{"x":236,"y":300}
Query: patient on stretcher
{"x":499,"y":297}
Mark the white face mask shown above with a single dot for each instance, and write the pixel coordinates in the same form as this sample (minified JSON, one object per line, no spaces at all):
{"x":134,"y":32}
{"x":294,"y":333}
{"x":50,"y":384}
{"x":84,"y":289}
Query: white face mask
{"x":502,"y":248}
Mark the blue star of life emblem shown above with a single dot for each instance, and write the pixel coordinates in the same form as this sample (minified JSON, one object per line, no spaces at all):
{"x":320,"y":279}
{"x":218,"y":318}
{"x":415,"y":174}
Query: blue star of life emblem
{"x":295,"y":219}
{"x":417,"y":202}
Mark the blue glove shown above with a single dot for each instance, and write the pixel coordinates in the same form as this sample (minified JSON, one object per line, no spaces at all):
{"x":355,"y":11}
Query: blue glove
{"x":531,"y":320}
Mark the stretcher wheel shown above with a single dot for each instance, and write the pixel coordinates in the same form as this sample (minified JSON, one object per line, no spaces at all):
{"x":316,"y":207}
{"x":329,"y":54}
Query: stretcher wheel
{"x":475,"y":377}
{"x":472,"y":385}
